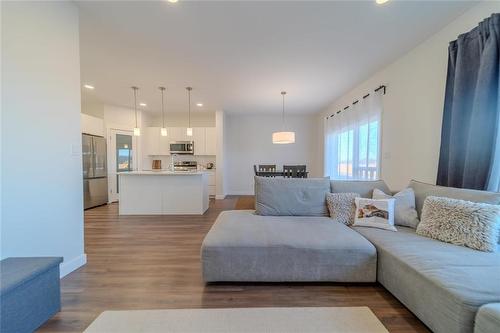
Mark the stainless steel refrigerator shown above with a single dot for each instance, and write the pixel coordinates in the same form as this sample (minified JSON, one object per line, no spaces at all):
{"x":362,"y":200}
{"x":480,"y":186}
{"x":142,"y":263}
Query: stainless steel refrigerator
{"x":95,"y":173}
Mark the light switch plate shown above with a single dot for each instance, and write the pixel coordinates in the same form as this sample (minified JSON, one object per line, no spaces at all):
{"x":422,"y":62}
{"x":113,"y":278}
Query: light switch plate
{"x":76,"y":149}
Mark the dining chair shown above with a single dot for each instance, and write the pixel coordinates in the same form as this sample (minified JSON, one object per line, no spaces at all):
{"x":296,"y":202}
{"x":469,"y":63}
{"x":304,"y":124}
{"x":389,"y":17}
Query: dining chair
{"x":265,"y":170}
{"x":267,"y":167}
{"x":294,"y":171}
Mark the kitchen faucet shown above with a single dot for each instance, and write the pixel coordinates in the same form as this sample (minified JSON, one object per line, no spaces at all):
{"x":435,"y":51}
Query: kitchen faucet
{"x":172,"y":158}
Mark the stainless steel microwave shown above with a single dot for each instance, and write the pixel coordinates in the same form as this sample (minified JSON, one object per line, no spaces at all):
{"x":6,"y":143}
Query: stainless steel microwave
{"x":182,"y":147}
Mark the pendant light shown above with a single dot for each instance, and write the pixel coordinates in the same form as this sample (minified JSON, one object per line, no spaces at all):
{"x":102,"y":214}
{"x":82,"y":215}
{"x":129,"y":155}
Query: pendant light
{"x":137,"y":130}
{"x":189,"y":130}
{"x":283,"y":137}
{"x":163,"y":129}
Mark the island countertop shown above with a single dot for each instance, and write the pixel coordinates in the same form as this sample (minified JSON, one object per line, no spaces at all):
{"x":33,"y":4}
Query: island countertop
{"x":163,"y":192}
{"x":164,"y":173}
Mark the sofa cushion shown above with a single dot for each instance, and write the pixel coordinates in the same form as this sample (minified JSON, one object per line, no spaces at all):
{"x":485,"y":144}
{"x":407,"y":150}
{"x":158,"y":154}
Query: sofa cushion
{"x":423,"y":190}
{"x":291,"y":196}
{"x":363,"y":187}
{"x":243,"y":246}
{"x":488,"y":319}
{"x":405,"y":213}
{"x":442,"y":284}
{"x":472,"y":224}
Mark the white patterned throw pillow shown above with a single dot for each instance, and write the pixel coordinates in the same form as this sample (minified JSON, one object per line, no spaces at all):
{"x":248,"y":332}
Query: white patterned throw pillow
{"x":375,"y":213}
{"x":405,"y":213}
{"x":472,"y":224}
{"x":341,"y":206}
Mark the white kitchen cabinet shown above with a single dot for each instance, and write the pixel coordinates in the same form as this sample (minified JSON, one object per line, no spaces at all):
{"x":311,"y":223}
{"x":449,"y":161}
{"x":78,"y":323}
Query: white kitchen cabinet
{"x":179,"y":134}
{"x":153,"y":143}
{"x":199,"y":140}
{"x":175,"y":133}
{"x":210,"y":141}
{"x":211,"y":178}
{"x":211,"y":190}
{"x":211,"y":183}
{"x":165,"y":144}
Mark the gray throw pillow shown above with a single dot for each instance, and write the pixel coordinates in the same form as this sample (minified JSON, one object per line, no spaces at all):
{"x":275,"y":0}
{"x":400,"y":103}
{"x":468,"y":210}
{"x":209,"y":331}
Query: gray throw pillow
{"x":291,"y":196}
{"x":405,"y":213}
{"x":342,"y":206}
{"x":460,"y":222}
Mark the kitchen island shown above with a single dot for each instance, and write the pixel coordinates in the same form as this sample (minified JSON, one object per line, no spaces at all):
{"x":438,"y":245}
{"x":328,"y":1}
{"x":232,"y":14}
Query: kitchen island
{"x":163,"y":192}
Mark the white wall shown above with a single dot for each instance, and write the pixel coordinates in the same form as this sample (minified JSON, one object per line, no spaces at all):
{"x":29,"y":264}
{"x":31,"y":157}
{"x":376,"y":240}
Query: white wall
{"x":92,"y":125}
{"x":118,"y":117}
{"x":42,"y":201}
{"x":94,"y":108}
{"x":198,"y":119}
{"x":413,"y":105}
{"x":248,"y":141}
{"x":221,"y":155}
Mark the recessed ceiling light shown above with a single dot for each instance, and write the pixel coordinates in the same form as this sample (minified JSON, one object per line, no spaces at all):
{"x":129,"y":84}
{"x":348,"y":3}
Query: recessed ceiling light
{"x":88,"y":86}
{"x":199,"y":104}
{"x":143,"y":104}
{"x":381,"y":2}
{"x":172,"y":1}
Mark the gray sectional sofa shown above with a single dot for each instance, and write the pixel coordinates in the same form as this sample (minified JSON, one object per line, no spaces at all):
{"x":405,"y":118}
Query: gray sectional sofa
{"x":444,"y":285}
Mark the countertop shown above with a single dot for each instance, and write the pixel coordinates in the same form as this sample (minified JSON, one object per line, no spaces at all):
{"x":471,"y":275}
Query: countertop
{"x":164,"y":173}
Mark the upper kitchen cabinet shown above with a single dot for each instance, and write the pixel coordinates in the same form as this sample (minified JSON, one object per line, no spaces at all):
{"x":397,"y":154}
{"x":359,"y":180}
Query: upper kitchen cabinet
{"x":204,"y":140}
{"x":165,"y":143}
{"x":210,"y":141}
{"x":150,"y":141}
{"x":153,"y":143}
{"x":179,"y":134}
{"x":199,"y":140}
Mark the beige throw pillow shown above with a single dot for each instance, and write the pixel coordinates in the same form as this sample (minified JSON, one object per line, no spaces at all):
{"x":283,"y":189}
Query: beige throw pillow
{"x":460,"y":222}
{"x":405,"y":213}
{"x":341,"y":206}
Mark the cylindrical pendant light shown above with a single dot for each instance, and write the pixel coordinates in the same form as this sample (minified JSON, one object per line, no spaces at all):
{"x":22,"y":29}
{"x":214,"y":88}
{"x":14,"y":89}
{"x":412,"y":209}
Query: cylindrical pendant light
{"x":283,"y":137}
{"x":137,"y":130}
{"x":163,"y":129}
{"x":189,"y":130}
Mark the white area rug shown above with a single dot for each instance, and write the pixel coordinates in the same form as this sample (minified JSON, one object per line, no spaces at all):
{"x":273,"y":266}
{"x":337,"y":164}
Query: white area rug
{"x":246,"y":320}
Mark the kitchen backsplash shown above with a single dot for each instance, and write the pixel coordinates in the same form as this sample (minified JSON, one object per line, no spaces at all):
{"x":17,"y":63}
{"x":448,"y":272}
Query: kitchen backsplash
{"x":202,"y":161}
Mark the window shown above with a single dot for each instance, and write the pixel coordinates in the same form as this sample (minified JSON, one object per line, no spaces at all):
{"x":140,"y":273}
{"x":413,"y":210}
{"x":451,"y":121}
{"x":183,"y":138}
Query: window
{"x":352,"y":141}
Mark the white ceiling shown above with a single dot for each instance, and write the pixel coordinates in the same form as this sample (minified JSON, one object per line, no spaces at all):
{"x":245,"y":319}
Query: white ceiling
{"x":238,"y":56}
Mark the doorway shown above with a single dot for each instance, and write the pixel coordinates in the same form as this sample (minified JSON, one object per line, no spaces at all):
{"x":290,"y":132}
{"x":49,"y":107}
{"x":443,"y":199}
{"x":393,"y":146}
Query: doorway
{"x":122,"y":157}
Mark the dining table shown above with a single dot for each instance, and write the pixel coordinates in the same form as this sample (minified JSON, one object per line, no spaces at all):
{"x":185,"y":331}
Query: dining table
{"x":275,"y":173}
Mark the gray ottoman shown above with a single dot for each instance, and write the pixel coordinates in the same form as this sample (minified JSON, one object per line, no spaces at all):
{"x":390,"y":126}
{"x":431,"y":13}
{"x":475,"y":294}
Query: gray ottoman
{"x":29,"y":292}
{"x":245,"y":247}
{"x":488,"y":319}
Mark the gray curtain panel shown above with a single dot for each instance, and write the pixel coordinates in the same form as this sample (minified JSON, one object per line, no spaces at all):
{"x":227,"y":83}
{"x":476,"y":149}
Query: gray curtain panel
{"x":471,"y":108}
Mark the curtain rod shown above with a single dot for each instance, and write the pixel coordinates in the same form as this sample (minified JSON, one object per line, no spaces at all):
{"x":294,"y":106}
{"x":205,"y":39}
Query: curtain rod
{"x":381,"y":87}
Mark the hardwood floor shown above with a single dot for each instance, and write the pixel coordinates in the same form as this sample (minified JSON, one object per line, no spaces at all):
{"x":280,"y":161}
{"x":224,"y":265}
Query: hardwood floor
{"x":152,"y":262}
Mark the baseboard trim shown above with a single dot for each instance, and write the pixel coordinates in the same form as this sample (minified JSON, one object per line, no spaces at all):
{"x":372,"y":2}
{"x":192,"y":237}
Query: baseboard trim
{"x":220,"y":196}
{"x":73,"y":264}
{"x":240,"y":193}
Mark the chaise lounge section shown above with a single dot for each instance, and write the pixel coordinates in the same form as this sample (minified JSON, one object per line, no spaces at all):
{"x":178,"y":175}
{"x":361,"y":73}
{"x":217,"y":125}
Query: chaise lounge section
{"x":444,"y":285}
{"x":245,"y":247}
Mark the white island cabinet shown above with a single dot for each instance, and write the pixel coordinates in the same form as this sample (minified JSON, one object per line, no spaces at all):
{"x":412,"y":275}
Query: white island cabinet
{"x":163,"y":193}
